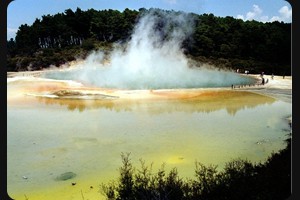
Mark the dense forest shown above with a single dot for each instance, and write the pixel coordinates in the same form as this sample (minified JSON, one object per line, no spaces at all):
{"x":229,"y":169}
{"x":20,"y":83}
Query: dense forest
{"x":221,"y":41}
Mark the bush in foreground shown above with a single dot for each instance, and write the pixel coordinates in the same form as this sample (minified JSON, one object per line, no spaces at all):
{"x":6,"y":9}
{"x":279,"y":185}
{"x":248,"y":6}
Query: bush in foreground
{"x":240,"y":179}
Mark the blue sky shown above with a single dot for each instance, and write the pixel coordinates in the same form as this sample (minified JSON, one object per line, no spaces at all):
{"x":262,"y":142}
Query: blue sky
{"x":26,"y":11}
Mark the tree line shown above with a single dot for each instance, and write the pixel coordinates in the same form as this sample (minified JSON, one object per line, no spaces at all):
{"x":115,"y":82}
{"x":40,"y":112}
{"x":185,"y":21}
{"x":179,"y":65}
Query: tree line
{"x":224,"y":41}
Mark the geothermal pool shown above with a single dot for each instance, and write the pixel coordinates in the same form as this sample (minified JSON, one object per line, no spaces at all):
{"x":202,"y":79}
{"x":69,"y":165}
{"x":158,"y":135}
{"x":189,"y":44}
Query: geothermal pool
{"x":84,"y":130}
{"x":145,"y":98}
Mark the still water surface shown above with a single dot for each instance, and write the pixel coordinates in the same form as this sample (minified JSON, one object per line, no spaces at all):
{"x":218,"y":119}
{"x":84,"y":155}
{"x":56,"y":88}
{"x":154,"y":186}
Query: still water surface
{"x":47,"y":137}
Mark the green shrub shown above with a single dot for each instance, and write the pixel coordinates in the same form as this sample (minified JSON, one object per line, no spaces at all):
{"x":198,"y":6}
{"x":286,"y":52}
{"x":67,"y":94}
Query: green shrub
{"x":240,"y":179}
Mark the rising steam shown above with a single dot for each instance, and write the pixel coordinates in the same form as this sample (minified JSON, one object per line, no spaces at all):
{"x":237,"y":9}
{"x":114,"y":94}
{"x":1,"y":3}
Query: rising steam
{"x":152,"y":59}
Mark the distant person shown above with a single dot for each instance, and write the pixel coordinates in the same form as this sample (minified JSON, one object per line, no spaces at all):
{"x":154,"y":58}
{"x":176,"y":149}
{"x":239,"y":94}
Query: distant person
{"x":263,"y":81}
{"x":272,"y":76}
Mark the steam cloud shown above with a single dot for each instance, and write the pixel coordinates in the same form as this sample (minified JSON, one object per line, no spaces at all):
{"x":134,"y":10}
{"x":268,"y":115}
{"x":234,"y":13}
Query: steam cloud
{"x":152,"y":59}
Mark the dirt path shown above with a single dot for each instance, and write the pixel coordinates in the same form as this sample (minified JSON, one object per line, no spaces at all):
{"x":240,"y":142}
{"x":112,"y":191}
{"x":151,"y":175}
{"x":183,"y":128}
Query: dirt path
{"x":277,"y":87}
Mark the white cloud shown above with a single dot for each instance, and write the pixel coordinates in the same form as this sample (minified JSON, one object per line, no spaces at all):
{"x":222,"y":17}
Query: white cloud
{"x":284,"y":14}
{"x":264,"y":18}
{"x":11,"y":32}
{"x":274,"y":18}
{"x":240,"y":17}
{"x":256,"y":11}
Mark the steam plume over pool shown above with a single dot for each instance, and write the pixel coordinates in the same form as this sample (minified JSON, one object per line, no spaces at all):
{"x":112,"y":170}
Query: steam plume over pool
{"x":152,"y":59}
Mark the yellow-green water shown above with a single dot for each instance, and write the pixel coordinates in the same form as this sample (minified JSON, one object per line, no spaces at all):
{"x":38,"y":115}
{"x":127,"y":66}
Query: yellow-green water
{"x":47,"y":137}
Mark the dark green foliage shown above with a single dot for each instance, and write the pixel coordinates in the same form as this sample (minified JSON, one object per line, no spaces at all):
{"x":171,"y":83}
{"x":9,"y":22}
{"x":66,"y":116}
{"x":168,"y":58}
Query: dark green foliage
{"x":143,"y":184}
{"x":206,"y":181}
{"x":240,"y":179}
{"x":88,"y":44}
{"x":255,"y":45}
{"x":125,"y":188}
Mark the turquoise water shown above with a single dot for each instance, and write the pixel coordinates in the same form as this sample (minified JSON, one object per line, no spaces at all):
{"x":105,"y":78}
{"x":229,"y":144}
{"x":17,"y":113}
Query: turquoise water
{"x":107,"y":77}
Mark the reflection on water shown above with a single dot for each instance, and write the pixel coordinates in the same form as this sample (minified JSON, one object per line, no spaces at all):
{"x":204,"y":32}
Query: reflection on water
{"x":47,"y":137}
{"x":231,"y":101}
